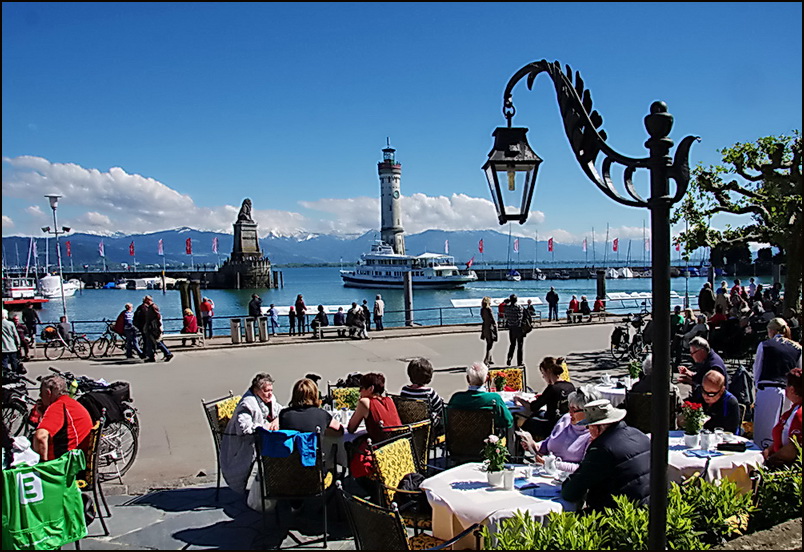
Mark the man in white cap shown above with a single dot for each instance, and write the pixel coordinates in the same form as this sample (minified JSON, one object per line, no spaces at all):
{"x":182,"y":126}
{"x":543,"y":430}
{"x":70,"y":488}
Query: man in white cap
{"x":11,"y":346}
{"x":617,"y":461}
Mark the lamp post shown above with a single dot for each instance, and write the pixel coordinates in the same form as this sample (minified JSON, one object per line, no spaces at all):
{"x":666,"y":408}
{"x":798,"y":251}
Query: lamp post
{"x":54,"y":203}
{"x":512,"y":158}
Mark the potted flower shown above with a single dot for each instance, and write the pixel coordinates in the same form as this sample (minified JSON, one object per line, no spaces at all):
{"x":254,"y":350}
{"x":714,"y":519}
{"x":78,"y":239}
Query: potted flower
{"x":499,"y":381}
{"x":693,"y":422}
{"x":495,"y":454}
{"x":634,"y":369}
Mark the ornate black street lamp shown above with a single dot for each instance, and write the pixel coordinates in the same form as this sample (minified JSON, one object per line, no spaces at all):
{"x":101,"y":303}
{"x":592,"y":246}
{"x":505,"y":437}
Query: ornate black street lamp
{"x":588,"y":142}
{"x":54,"y":203}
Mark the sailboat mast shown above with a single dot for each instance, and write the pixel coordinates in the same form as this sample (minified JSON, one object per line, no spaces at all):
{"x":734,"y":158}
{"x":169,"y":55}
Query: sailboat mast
{"x":594,"y":261}
{"x":535,"y":251}
{"x":606,"y":250}
{"x":509,"y":247}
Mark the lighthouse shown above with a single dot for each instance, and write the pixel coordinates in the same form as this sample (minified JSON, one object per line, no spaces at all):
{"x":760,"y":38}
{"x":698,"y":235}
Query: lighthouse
{"x":390,"y":172}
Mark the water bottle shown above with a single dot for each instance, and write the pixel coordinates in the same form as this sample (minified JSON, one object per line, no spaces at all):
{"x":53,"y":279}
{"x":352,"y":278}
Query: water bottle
{"x":73,"y":388}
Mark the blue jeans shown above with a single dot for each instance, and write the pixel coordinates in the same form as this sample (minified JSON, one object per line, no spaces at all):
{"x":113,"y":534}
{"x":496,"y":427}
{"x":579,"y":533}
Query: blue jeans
{"x":206,"y":323}
{"x":131,"y":342}
{"x":151,"y":345}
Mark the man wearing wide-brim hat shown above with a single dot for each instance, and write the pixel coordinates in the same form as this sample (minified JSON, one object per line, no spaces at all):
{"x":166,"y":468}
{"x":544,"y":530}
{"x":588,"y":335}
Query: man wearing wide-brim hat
{"x":617,"y":461}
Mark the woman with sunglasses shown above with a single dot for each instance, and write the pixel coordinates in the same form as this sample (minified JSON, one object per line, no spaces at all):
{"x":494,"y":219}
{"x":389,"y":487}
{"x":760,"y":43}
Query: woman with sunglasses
{"x":569,"y":439}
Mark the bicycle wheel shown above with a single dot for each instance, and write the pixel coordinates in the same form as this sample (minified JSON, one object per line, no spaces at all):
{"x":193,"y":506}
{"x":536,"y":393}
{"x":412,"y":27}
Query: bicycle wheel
{"x":118,"y":449}
{"x":82,"y":348}
{"x":100,"y":348}
{"x":14,"y":418}
{"x":117,"y":344}
{"x":54,"y":349}
{"x":619,"y":347}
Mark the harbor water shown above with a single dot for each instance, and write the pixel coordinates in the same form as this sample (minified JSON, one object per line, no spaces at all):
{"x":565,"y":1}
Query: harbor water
{"x":323,"y":285}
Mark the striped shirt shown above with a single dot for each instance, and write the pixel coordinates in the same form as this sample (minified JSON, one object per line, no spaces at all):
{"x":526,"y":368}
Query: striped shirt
{"x":425,"y":394}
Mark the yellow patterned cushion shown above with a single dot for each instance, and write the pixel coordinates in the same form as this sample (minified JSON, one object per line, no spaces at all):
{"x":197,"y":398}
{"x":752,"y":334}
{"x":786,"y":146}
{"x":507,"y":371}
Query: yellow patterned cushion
{"x":393,"y":462}
{"x":513,"y":377}
{"x":225,"y":410}
{"x":424,"y":542}
{"x":565,"y":374}
{"x":328,"y":480}
{"x":345,"y":397}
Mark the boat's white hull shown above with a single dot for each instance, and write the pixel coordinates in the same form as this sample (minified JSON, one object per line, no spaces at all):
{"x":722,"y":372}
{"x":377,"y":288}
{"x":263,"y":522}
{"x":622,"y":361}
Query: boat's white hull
{"x":350,"y":279}
{"x":51,"y":287}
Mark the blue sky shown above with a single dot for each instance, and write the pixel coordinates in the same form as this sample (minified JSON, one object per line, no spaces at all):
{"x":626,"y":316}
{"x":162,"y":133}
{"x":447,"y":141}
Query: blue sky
{"x":153,"y":116}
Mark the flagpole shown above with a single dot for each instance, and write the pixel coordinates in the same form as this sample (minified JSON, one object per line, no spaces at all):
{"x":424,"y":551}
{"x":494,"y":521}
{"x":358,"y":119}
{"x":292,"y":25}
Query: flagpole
{"x":28,"y":262}
{"x":594,"y":260}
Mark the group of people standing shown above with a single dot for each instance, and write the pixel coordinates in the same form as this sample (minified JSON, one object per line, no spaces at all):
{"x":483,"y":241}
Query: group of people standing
{"x":357,"y":320}
{"x":518,"y":320}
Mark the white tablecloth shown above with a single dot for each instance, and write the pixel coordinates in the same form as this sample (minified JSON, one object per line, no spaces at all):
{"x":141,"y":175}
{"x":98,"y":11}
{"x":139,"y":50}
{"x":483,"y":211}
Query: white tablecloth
{"x":729,"y":465}
{"x":610,"y":391}
{"x":461,"y":496}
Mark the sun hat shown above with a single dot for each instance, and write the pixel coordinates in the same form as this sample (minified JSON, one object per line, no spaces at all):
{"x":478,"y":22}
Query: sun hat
{"x":601,"y":412}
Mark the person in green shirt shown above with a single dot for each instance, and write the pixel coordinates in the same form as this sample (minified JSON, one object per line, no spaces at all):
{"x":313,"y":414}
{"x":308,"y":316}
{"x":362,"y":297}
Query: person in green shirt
{"x":477,"y":398}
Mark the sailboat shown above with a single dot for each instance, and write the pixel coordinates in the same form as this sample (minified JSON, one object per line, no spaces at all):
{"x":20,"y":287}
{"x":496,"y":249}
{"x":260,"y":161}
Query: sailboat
{"x":626,"y":272}
{"x":537,"y":274}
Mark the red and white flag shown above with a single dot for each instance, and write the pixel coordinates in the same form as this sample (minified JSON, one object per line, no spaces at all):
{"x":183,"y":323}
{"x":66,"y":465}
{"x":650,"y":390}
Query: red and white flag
{"x":615,"y":244}
{"x":584,"y":245}
{"x":678,"y":246}
{"x":516,"y":245}
{"x":446,"y":247}
{"x":470,"y":262}
{"x":188,"y":246}
{"x":69,"y":248}
{"x":550,"y":245}
{"x":34,"y":249}
{"x":214,"y":245}
{"x":160,"y":248}
{"x":480,"y":246}
{"x":101,"y":249}
{"x":131,"y":249}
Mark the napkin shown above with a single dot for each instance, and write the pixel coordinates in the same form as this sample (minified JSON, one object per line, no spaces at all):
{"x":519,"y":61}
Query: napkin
{"x":702,"y":453}
{"x":543,"y":491}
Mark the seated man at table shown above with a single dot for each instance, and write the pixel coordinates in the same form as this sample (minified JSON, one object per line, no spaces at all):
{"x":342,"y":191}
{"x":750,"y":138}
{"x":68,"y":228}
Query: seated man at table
{"x":257,"y":408}
{"x":617,"y":461}
{"x":720,"y":405}
{"x":65,"y":424}
{"x":477,"y":398}
{"x":705,"y":359}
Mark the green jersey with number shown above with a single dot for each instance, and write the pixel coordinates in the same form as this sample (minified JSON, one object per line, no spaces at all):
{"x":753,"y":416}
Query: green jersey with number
{"x":42,"y":506}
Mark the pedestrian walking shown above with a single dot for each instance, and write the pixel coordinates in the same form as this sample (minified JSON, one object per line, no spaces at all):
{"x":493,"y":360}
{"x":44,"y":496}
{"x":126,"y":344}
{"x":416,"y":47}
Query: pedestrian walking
{"x":153,"y":330}
{"x":488,"y":331}
{"x":31,"y":318}
{"x":516,"y":317}
{"x":126,"y":319}
{"x":11,"y":346}
{"x":379,"y":311}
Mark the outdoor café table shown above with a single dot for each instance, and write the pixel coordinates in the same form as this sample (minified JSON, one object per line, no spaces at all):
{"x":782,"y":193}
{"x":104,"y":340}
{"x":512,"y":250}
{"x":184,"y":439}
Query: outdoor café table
{"x":712,"y":465}
{"x":343,"y":416}
{"x":461,"y":496}
{"x":614,"y":392}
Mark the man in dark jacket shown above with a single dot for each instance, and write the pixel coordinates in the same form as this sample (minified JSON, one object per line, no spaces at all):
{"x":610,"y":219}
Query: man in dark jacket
{"x":255,"y":306}
{"x":706,"y":300}
{"x":617,"y":461}
{"x":513,"y":318}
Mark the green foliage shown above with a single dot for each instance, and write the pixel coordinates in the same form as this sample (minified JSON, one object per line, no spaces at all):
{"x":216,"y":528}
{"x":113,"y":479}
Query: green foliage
{"x":561,"y":531}
{"x":718,"y":511}
{"x":495,"y":454}
{"x":681,"y":529}
{"x":779,"y":495}
{"x":628,"y":525}
{"x":634,"y":369}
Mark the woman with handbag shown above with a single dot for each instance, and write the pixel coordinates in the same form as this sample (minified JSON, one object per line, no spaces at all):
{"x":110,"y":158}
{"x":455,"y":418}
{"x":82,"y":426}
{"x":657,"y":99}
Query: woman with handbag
{"x":488,"y":331}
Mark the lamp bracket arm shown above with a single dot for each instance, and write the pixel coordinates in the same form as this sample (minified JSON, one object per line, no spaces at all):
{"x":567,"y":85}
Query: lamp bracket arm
{"x":680,"y":170}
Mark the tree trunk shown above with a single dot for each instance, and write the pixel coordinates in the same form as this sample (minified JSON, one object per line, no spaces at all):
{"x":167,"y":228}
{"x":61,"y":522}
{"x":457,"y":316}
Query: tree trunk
{"x":792,"y":278}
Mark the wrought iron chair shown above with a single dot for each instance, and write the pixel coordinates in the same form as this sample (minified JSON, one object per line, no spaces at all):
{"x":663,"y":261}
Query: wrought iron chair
{"x":378,"y":528}
{"x":343,"y":397}
{"x":420,"y":439}
{"x":287,"y":478}
{"x":218,"y":413}
{"x":394,"y":459}
{"x":638,"y":407}
{"x":415,"y":410}
{"x":466,"y":431}
{"x":515,"y":378}
{"x":89,"y":480}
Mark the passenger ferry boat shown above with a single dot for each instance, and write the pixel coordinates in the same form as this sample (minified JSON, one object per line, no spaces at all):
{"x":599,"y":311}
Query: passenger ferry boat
{"x":20,"y":291}
{"x":382,"y":268}
{"x":51,"y":286}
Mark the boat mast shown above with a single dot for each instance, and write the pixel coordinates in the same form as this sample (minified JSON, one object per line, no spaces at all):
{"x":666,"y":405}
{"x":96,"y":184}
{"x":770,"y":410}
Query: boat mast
{"x":509,"y":247}
{"x":535,"y":252}
{"x":606,"y":250}
{"x":593,"y":247}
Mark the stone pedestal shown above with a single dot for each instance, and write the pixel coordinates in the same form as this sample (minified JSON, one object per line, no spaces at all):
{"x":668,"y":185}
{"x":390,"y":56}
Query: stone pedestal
{"x":246,"y":268}
{"x":246,"y":245}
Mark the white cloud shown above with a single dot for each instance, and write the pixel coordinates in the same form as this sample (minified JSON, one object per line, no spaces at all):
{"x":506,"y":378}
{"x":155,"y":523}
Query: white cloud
{"x":7,"y":222}
{"x":34,"y":211}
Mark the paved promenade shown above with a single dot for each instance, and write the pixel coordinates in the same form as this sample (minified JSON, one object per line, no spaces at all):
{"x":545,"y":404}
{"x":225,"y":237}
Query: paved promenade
{"x":167,"y":501}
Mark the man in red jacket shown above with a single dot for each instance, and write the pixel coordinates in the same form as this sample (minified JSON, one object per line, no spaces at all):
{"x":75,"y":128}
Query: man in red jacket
{"x":65,"y":424}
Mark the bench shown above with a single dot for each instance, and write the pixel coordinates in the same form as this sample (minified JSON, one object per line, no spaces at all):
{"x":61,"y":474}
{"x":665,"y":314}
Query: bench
{"x":173,"y":337}
{"x":339,"y":331}
{"x":577,"y":317}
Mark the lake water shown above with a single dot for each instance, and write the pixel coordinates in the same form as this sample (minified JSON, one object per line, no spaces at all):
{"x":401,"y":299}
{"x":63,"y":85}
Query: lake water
{"x":323,"y":285}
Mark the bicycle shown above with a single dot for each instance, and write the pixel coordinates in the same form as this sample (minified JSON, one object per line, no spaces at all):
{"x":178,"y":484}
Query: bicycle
{"x":623,"y":343}
{"x":16,"y":401}
{"x":107,"y":343}
{"x":55,"y":345}
{"x":119,"y":439}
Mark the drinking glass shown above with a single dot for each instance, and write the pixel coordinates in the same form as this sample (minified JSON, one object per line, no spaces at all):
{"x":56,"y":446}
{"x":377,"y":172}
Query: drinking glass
{"x":719,"y":437}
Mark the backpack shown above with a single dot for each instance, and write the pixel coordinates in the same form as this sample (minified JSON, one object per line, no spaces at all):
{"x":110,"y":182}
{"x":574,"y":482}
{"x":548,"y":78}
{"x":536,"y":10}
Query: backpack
{"x":120,"y":324}
{"x":742,"y":386}
{"x":416,"y":503}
